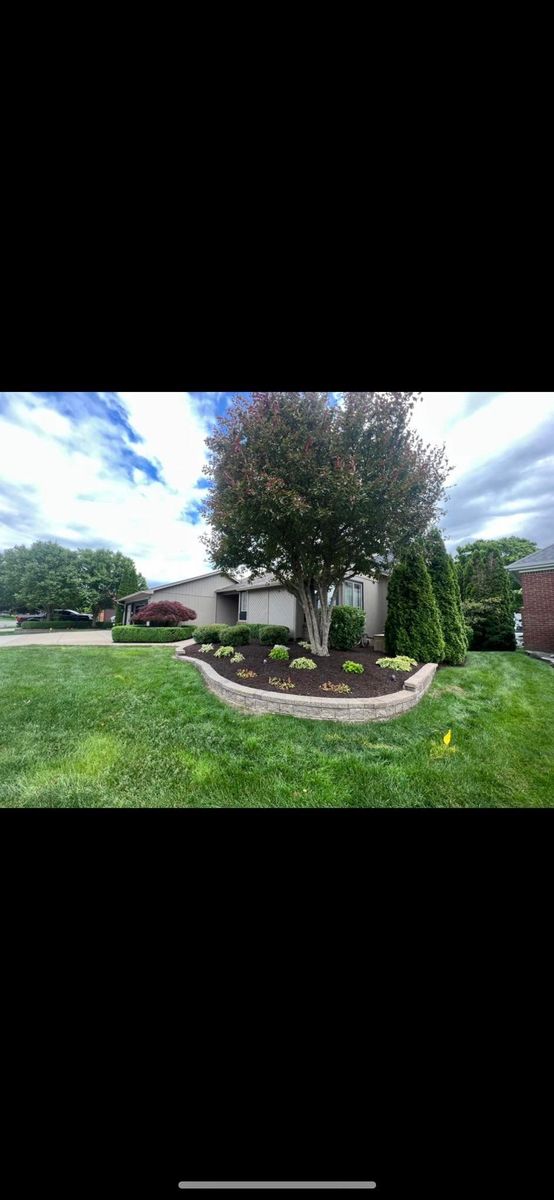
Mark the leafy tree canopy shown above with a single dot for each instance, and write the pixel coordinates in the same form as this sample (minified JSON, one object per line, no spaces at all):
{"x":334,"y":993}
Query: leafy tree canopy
{"x":314,"y":492}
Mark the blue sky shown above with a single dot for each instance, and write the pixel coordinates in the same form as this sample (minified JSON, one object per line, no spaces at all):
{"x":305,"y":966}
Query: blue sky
{"x":124,"y":469}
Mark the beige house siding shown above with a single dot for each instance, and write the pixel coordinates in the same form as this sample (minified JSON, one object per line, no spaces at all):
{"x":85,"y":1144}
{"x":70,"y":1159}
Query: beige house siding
{"x":375,"y":603}
{"x":199,"y":595}
{"x":272,"y":606}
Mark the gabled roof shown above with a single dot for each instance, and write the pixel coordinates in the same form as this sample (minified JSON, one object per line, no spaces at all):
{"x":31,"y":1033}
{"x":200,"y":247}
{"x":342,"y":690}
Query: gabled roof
{"x":192,"y":579}
{"x":541,"y":560}
{"x":135,"y":596}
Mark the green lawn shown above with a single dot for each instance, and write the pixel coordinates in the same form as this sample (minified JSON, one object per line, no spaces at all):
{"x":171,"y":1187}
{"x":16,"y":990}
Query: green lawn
{"x":86,"y":727}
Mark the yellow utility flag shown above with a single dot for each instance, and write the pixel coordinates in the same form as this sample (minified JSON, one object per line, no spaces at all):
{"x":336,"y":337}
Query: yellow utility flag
{"x":447,"y":738}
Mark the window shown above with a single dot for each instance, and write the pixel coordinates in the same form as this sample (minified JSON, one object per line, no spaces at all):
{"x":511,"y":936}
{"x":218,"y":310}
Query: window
{"x":353,"y":594}
{"x":243,"y":606}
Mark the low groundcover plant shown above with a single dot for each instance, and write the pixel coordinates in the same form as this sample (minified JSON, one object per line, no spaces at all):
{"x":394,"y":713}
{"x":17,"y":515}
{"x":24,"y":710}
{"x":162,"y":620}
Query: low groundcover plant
{"x":247,"y":674}
{"x":237,"y":658}
{"x":279,"y":654}
{"x":400,"y":663}
{"x":353,"y":668}
{"x":206,"y":648}
{"x":339,"y":689}
{"x":303,"y":664}
{"x":283,"y":685}
{"x":224,"y":652}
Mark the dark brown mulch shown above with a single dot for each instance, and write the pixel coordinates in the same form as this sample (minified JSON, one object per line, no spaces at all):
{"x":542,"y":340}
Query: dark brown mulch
{"x":376,"y":681}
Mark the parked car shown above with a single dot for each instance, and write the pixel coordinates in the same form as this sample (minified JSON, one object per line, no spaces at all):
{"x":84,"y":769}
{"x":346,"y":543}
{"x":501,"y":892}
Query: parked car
{"x":59,"y":614}
{"x":69,"y":614}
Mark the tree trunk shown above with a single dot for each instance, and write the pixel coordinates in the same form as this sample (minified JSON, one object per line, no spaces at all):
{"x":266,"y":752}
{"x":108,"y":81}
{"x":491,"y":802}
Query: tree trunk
{"x":318,"y":623}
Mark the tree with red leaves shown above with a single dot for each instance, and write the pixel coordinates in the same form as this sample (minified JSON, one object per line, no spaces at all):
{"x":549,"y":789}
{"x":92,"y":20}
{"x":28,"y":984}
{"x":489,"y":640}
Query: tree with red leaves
{"x":315,"y":492}
{"x":164,"y":612}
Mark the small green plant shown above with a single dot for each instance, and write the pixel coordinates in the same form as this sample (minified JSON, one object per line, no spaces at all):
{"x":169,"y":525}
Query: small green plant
{"x":279,"y":654}
{"x":237,"y":658}
{"x":306,"y":646}
{"x":224,"y":652}
{"x":353,"y":668}
{"x":247,"y":674}
{"x":206,"y":648}
{"x":282,"y":685}
{"x":339,"y":689}
{"x":303,"y":664}
{"x":400,"y":663}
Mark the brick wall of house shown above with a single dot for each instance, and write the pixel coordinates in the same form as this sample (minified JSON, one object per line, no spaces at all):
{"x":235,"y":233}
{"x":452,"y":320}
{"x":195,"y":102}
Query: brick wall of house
{"x":538,"y":610}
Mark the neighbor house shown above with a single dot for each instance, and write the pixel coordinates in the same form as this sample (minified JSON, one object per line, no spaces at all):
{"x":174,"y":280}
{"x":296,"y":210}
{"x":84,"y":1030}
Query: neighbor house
{"x":536,"y":572}
{"x":218,"y":597}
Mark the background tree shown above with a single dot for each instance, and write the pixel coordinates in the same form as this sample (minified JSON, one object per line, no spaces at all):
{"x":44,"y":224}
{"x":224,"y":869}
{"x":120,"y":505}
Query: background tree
{"x":46,"y":576}
{"x":447,"y":594}
{"x":131,"y":581}
{"x":413,"y":624}
{"x":315,"y":492}
{"x":104,"y":576}
{"x":488,"y":602}
{"x":164,"y":612}
{"x":43,"y":576}
{"x":509,"y":548}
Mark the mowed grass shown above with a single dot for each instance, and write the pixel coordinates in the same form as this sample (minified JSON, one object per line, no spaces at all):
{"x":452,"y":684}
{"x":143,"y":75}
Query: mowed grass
{"x":134,"y":728}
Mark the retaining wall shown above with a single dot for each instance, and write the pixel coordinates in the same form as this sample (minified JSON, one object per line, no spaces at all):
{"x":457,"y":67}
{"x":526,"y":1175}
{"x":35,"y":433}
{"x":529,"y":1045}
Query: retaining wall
{"x":260,"y":702}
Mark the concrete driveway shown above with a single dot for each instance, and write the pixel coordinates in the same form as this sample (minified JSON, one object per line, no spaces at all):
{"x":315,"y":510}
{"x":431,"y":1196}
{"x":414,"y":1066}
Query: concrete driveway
{"x":92,"y":637}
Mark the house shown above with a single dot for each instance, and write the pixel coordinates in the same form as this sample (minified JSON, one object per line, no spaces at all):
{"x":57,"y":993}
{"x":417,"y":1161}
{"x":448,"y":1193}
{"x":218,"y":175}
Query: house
{"x":536,"y":572}
{"x":218,"y":597}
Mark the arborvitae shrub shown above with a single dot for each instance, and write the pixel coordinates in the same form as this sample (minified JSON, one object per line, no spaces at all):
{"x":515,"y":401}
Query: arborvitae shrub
{"x":488,"y":601}
{"x":413,"y":626}
{"x":447,"y":594}
{"x":347,"y":627}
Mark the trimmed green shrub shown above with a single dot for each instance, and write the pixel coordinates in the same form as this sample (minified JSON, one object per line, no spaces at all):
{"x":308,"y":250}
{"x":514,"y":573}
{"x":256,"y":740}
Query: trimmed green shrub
{"x":347,"y":627}
{"x":270,"y":634}
{"x":254,"y":629}
{"x":279,"y":654}
{"x":137,"y":633}
{"x":353,"y":668}
{"x":235,"y":635}
{"x":446,"y":590}
{"x":303,"y":664}
{"x":413,"y":626}
{"x":209,"y":633}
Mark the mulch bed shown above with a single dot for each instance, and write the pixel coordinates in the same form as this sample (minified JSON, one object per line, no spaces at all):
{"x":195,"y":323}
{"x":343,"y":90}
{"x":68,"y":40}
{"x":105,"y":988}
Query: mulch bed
{"x":376,"y":681}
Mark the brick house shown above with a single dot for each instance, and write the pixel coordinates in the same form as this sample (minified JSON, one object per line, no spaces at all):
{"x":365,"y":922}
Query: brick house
{"x":537,"y":581}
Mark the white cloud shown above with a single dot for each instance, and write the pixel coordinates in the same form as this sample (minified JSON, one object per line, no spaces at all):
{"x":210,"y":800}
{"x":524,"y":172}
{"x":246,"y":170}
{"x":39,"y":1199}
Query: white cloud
{"x":68,"y":471}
